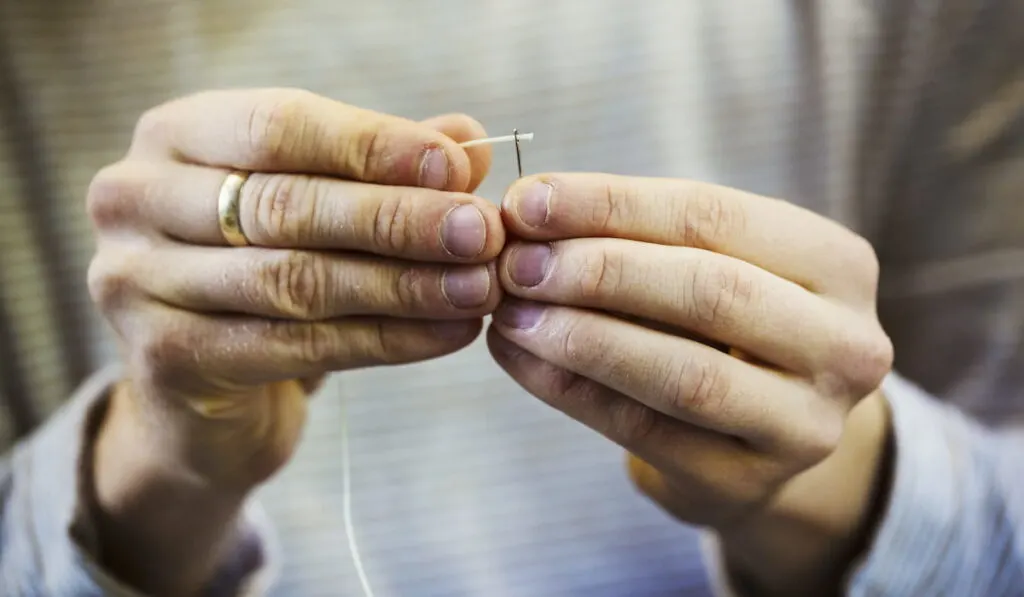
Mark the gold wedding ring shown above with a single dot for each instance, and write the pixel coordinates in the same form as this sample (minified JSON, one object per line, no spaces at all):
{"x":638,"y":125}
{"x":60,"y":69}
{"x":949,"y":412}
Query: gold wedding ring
{"x":228,"y":209}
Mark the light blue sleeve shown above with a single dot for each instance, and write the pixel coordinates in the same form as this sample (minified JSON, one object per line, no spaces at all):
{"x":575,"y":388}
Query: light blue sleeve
{"x":45,"y":537}
{"x":955,"y":519}
{"x":954,"y":523}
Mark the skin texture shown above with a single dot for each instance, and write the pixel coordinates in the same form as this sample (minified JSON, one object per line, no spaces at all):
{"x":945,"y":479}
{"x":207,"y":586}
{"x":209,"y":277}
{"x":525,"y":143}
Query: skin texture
{"x":726,"y":340}
{"x":222,"y":345}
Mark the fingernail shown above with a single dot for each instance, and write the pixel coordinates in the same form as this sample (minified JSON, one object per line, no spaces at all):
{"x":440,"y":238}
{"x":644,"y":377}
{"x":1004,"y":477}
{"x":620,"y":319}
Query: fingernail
{"x":449,"y":330}
{"x":434,"y":169}
{"x":529,"y":264}
{"x":533,"y":205}
{"x":464,"y":231}
{"x":466,"y":287}
{"x":519,"y":314}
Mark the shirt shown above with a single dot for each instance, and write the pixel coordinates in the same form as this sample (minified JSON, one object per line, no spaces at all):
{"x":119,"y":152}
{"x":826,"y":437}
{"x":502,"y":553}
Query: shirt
{"x":901,"y":119}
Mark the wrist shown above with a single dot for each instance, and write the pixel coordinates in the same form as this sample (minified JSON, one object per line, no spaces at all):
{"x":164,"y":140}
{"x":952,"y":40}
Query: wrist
{"x":822,"y":521}
{"x":135,"y":450}
{"x":160,"y":527}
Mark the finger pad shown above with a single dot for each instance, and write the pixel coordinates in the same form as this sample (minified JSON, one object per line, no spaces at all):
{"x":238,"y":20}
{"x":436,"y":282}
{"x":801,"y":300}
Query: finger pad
{"x":461,"y":128}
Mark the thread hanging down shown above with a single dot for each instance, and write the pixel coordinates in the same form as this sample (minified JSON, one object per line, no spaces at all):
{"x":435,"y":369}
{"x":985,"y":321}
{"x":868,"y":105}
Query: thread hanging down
{"x":346,"y":502}
{"x":346,"y":459}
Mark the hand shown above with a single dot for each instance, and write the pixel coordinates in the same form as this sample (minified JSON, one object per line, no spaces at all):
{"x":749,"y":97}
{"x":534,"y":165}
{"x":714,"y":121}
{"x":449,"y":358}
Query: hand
{"x":365,"y":250}
{"x":722,"y":338}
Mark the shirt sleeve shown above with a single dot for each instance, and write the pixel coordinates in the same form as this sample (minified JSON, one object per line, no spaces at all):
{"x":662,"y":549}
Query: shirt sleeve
{"x":954,"y":523}
{"x":46,"y":537}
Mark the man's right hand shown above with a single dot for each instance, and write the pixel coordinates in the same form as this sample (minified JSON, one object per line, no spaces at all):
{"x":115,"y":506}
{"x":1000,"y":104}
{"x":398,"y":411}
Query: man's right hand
{"x":365,"y":249}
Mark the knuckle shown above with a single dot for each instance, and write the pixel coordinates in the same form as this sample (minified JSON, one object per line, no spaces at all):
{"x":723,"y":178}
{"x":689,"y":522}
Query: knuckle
{"x":281,"y":209}
{"x":708,"y":217}
{"x":717,"y":291}
{"x":295,"y":284}
{"x":873,"y":362}
{"x":820,"y":440}
{"x":858,"y":365}
{"x":881,"y":358}
{"x":368,"y":153}
{"x":153,"y":126}
{"x":747,"y":492}
{"x":393,"y":230}
{"x":567,"y":385}
{"x":617,"y":203}
{"x":163,"y":352}
{"x":110,"y":282}
{"x":408,"y":291}
{"x":809,"y":439}
{"x":276,"y":125}
{"x":113,"y":196}
{"x":864,"y":261}
{"x":631,"y":423}
{"x":311,"y":342}
{"x":601,"y":274}
{"x":689,"y":385}
{"x":385,"y":345}
{"x":580,"y":344}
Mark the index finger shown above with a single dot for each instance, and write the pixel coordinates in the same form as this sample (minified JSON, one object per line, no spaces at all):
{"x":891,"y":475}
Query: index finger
{"x":785,"y":239}
{"x":295,"y":131}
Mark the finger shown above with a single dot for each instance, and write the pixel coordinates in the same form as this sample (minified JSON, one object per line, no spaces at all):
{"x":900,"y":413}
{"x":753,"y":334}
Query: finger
{"x":678,"y":498}
{"x":462,"y":128}
{"x":312,"y":286}
{"x":785,"y":239}
{"x":290,"y":130}
{"x":175,"y":346}
{"x":715,"y":296}
{"x":680,"y":378}
{"x":650,"y":482}
{"x":307,"y":212}
{"x":715,"y":465}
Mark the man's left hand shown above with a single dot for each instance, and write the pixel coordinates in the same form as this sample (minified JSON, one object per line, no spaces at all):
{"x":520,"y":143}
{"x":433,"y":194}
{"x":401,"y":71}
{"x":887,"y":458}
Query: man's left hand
{"x":722,"y":338}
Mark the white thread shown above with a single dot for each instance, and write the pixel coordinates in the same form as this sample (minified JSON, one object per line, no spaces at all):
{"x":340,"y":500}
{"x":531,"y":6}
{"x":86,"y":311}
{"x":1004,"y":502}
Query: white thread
{"x":346,"y":467}
{"x":502,"y":139}
{"x":346,"y":502}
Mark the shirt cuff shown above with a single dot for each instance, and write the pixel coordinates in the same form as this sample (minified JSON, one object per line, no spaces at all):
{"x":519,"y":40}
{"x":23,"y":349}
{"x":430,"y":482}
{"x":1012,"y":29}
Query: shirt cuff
{"x":48,"y":497}
{"x":917,"y":510}
{"x":930,"y":489}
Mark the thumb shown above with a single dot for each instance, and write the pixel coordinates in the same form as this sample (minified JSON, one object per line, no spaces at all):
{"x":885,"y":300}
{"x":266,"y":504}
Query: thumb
{"x":652,"y":484}
{"x":461,"y":128}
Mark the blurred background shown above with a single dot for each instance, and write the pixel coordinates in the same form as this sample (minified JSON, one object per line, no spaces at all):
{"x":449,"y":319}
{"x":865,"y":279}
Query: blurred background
{"x":463,"y":483}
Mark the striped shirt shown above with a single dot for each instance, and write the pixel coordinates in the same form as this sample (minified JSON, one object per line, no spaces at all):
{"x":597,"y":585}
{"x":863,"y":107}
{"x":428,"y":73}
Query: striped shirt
{"x":903,"y":119}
